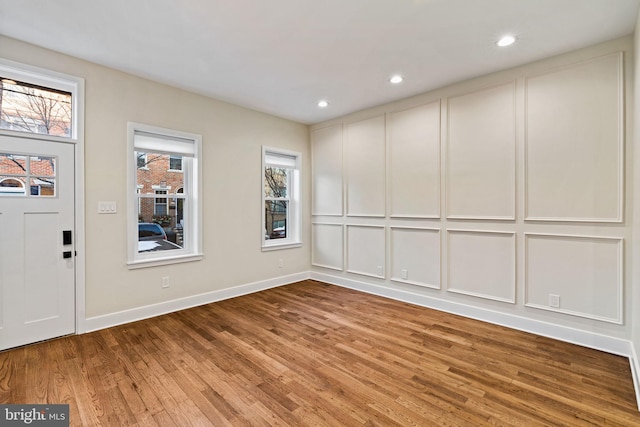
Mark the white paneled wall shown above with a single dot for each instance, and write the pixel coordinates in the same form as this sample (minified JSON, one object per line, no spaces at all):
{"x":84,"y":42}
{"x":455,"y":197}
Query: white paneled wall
{"x":366,"y":250}
{"x":574,"y":142}
{"x":414,"y":162}
{"x":481,"y":154}
{"x":585,"y":272}
{"x":504,"y":193}
{"x":366,"y":168}
{"x":326,"y":183}
{"x":415,"y":256}
{"x":328,"y":245}
{"x":482,"y":263}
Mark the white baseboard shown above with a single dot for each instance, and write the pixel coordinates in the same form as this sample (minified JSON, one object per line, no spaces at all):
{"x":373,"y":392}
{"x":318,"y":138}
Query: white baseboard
{"x":635,"y":373}
{"x":108,"y":320}
{"x":596,"y":341}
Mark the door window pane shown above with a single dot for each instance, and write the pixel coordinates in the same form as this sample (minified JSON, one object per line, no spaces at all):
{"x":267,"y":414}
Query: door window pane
{"x":27,"y":175}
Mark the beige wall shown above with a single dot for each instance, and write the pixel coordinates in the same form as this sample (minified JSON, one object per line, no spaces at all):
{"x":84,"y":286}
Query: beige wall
{"x":231,"y":157}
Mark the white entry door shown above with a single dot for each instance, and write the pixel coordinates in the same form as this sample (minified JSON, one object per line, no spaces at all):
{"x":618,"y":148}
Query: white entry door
{"x":37,"y":240}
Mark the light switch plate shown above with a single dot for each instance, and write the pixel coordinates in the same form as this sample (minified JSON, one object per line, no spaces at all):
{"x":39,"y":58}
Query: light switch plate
{"x":107,"y":207}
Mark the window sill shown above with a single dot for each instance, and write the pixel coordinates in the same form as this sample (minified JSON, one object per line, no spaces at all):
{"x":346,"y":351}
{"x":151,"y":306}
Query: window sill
{"x":278,"y":246}
{"x":163,"y":261}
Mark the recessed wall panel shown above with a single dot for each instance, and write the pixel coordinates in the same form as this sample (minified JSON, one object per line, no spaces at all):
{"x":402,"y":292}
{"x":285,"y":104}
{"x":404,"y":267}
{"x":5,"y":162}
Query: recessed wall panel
{"x":366,"y":250}
{"x":414,"y":162}
{"x":574,"y":120}
{"x":326,"y":148}
{"x":327,"y":246}
{"x":415,"y":256}
{"x":576,"y":275}
{"x":366,"y":167}
{"x":482,"y":264}
{"x":41,"y":257}
{"x":481,"y":154}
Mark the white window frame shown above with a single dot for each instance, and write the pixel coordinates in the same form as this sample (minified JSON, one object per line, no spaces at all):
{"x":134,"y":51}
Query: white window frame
{"x":192,"y":182}
{"x":49,"y":79}
{"x":294,"y":211}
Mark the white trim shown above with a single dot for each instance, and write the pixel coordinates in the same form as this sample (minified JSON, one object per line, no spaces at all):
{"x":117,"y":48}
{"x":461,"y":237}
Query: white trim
{"x":277,"y":246}
{"x":592,"y":340}
{"x":173,"y":259}
{"x":635,"y":373}
{"x":148,"y":311}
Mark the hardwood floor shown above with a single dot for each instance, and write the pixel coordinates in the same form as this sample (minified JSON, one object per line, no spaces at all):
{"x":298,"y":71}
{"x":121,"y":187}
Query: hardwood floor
{"x":311,"y":354}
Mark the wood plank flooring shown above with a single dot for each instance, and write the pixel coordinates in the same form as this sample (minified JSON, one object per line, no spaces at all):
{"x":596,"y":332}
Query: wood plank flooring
{"x":311,"y":354}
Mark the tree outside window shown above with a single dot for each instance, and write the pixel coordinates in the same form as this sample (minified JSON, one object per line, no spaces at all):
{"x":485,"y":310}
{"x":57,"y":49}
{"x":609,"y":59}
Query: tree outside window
{"x":281,"y":198}
{"x":26,"y":107}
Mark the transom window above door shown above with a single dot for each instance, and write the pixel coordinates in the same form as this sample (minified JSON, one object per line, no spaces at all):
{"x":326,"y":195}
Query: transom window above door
{"x":26,"y":107}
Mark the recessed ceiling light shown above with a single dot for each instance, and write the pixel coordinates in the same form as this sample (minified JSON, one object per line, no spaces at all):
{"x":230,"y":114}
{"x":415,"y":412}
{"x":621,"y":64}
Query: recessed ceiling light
{"x":396,"y":79}
{"x":507,"y":40}
{"x":323,"y":104}
{"x":9,"y":81}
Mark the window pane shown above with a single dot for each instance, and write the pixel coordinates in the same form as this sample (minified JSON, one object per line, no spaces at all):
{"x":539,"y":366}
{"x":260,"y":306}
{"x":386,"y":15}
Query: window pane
{"x":35,"y":109}
{"x":153,"y":237}
{"x":160,"y":231}
{"x":276,"y":219}
{"x":11,"y":186}
{"x":13,"y":164}
{"x":275,"y":182}
{"x":43,"y":186}
{"x":43,"y":166}
{"x":175,"y":163}
{"x":141,"y":159}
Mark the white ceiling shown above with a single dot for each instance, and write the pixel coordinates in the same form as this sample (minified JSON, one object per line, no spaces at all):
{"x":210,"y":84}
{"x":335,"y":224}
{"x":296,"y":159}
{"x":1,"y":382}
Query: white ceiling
{"x":282,"y":56}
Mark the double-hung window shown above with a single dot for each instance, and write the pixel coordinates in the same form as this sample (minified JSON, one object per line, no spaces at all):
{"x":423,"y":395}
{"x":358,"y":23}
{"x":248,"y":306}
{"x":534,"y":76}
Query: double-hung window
{"x":281,"y":198}
{"x":164,"y":206}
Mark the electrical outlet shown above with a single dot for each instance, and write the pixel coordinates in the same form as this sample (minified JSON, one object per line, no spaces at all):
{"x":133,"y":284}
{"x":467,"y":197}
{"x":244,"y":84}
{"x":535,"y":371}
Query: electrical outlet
{"x":554,"y":301}
{"x":404,"y":274}
{"x":380,"y":271}
{"x":165,"y":282}
{"x":280,"y":263}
